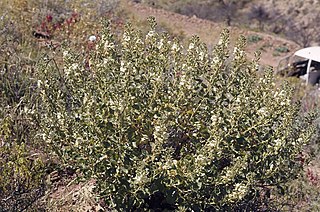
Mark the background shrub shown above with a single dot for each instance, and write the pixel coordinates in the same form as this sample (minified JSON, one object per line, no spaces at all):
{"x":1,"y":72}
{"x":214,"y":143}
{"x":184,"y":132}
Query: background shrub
{"x":160,"y":126}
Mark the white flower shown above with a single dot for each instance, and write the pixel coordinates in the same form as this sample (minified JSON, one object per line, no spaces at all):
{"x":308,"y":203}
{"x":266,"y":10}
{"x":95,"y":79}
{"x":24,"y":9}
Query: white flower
{"x":262,"y":111}
{"x":139,"y":41}
{"x":122,"y":67}
{"x":150,"y":34}
{"x":191,"y":46}
{"x":215,"y":60}
{"x":160,"y":45}
{"x":239,"y":192}
{"x":175,"y":47}
{"x":92,"y":38}
{"x":39,"y":83}
{"x":235,"y":50}
{"x":74,"y":66}
{"x":159,"y":133}
{"x":108,"y":45}
{"x":144,"y":138}
{"x":126,"y":37}
{"x":65,"y":53}
{"x":157,"y":128}
{"x":201,"y":55}
{"x":59,"y":115}
{"x":214,"y":119}
{"x":277,"y":145}
{"x":182,"y":80}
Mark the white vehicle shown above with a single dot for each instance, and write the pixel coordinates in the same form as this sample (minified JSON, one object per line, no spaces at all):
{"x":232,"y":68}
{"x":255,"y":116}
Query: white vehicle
{"x":304,"y":63}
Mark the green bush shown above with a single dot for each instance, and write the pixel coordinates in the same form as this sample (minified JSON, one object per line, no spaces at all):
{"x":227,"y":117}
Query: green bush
{"x":160,"y":126}
{"x":282,"y":49}
{"x":254,"y":38}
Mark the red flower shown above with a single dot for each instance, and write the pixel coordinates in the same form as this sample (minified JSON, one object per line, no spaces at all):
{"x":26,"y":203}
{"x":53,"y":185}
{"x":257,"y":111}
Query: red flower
{"x":69,"y":21}
{"x":74,"y":15}
{"x":49,"y":18}
{"x":56,"y":26}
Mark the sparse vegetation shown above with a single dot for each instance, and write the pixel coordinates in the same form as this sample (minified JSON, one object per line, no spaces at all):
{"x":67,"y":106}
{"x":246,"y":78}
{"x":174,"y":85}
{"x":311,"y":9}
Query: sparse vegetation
{"x":297,"y":22}
{"x":259,"y":13}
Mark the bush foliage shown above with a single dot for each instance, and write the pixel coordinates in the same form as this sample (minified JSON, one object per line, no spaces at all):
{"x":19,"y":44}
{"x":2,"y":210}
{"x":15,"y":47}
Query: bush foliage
{"x":160,"y":126}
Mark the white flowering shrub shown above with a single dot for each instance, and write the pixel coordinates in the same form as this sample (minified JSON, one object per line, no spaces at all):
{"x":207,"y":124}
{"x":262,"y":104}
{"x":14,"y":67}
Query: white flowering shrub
{"x":160,"y":126}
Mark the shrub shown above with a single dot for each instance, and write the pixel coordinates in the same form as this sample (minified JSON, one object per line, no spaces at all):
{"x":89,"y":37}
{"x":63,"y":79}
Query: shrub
{"x":160,"y":126}
{"x":259,"y":13}
{"x":254,"y":38}
{"x":282,"y":49}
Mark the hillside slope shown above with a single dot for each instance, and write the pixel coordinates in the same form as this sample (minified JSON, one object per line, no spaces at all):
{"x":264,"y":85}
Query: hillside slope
{"x":273,"y":48}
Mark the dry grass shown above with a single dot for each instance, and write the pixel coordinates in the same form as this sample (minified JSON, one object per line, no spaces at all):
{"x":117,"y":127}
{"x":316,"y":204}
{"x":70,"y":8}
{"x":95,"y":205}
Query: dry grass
{"x":71,"y":196}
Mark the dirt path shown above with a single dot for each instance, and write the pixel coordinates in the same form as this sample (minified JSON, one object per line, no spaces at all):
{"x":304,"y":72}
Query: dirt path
{"x":272,"y":48}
